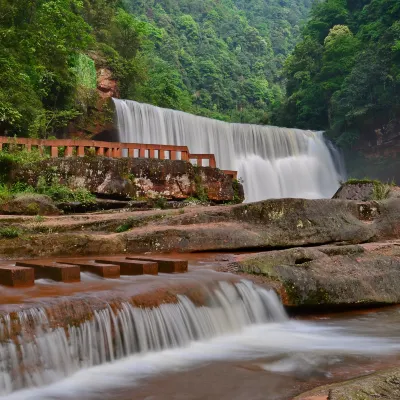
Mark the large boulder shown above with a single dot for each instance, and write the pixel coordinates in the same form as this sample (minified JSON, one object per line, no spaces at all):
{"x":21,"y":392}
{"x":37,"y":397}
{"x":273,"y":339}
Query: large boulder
{"x":135,"y":178}
{"x":327,"y":276}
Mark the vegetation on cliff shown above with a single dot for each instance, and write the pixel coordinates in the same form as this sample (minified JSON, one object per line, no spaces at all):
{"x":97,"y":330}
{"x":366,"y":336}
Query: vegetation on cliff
{"x":216,"y":58}
{"x":344,"y":76}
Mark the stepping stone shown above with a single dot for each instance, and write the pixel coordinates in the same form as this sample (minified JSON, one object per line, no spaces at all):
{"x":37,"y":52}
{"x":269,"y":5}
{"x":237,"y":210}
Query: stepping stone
{"x":130,"y":267}
{"x":104,"y":270}
{"x":56,"y":272}
{"x":168,"y":266}
{"x":17,"y":276}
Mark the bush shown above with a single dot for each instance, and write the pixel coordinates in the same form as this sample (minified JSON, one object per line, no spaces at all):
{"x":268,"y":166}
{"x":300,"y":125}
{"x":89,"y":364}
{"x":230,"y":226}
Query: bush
{"x":10,"y":232}
{"x":63,"y":194}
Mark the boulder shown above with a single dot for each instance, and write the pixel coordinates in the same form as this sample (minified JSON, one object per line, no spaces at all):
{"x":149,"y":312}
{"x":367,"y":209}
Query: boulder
{"x":328,"y":276}
{"x":29,"y":204}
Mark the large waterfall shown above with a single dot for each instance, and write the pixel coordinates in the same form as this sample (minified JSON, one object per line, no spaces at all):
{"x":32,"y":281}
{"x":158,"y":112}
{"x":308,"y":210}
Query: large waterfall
{"x":272,"y":162}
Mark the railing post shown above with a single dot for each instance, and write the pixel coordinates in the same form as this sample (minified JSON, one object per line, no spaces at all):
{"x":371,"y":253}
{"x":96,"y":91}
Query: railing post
{"x":81,"y":151}
{"x":142,"y":152}
{"x":54,"y":152}
{"x":99,"y":151}
{"x":69,"y":151}
{"x":213,"y":163}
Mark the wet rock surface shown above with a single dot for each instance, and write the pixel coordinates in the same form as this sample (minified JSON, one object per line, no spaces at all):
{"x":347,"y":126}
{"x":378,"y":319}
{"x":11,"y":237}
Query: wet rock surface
{"x":380,"y":385}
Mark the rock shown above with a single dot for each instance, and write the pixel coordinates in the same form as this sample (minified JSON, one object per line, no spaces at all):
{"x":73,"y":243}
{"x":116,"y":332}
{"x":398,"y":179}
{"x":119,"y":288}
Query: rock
{"x":131,"y":178}
{"x":267,"y":225}
{"x":314,"y":277}
{"x":355,"y":191}
{"x":363,"y":190}
{"x":107,"y":85}
{"x":380,"y":385}
{"x":29,"y":204}
{"x":97,"y":205}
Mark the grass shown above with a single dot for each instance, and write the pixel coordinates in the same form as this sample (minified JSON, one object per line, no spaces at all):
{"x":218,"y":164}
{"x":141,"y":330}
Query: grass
{"x":10,"y":232}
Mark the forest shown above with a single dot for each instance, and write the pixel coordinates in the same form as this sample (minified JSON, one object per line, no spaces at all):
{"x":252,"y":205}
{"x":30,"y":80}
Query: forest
{"x":344,"y":75}
{"x":218,"y":58}
{"x":329,"y":65}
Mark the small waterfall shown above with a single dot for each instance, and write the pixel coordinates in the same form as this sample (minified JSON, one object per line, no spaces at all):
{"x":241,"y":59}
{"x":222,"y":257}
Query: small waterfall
{"x":273,"y":162}
{"x":35,"y":353}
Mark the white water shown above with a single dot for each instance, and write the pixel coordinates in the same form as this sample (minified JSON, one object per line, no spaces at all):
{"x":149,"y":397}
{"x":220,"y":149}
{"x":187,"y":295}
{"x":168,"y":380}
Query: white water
{"x":116,"y":349}
{"x":273,"y":162}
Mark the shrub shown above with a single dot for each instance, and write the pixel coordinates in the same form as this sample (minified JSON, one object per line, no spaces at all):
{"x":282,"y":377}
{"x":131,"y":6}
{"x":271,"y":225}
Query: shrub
{"x":10,"y":232}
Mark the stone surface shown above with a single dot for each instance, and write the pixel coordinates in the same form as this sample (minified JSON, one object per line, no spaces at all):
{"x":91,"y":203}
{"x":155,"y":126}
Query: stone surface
{"x":131,"y":267}
{"x":134,"y":178}
{"x":165,"y":265}
{"x":101,"y":269}
{"x":29,"y":204}
{"x":17,"y":276}
{"x":380,"y":385}
{"x":355,"y":191}
{"x":327,"y":276}
{"x":271,"y":224}
{"x":56,"y":272}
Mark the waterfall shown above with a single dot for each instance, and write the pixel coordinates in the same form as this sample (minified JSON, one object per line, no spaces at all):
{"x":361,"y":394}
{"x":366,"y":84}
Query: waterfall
{"x":41,"y":353}
{"x":272,"y":162}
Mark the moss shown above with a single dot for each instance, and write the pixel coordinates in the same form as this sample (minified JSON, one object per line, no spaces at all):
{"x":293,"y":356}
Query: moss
{"x":299,"y":297}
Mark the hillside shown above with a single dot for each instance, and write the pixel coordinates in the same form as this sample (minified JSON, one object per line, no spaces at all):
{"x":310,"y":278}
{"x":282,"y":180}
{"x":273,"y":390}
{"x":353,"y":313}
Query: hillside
{"x":216,"y":58}
{"x":344,"y":76}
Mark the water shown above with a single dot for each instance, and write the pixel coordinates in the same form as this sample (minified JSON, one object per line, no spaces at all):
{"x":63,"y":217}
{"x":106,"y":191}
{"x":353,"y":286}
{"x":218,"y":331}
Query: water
{"x":273,"y":162}
{"x":121,"y":346}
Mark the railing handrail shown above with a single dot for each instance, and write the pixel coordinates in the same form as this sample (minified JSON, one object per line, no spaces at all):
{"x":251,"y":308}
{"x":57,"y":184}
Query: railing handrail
{"x":113,"y":149}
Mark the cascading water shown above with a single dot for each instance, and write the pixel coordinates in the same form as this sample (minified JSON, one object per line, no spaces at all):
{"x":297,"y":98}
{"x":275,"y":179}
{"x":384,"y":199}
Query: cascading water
{"x":273,"y":162}
{"x":42,"y":354}
{"x":108,"y":350}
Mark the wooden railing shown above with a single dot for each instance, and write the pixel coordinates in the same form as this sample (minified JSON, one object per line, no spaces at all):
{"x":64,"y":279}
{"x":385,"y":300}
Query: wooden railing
{"x":69,"y":147}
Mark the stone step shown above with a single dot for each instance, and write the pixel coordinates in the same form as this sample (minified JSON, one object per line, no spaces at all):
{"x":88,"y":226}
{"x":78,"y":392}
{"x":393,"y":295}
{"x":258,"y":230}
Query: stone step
{"x":165,"y":265}
{"x":56,"y":272}
{"x":104,"y":270}
{"x":131,"y":267}
{"x":17,"y":276}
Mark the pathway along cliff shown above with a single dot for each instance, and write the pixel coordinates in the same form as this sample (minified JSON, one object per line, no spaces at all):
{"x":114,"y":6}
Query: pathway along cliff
{"x":273,"y":162}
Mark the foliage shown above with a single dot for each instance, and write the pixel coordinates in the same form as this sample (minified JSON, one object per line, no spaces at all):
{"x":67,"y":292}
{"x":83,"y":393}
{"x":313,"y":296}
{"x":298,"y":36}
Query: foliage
{"x":381,"y":191}
{"x":344,"y":76}
{"x":221,"y":59}
{"x":62,"y":193}
{"x":10,"y":232}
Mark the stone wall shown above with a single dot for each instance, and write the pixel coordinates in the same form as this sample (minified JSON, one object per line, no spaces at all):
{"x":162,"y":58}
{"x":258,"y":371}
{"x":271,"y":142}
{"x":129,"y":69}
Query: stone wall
{"x":129,"y":178}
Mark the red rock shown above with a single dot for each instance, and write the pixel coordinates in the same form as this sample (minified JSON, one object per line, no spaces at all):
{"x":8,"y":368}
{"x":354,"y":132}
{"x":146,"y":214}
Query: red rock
{"x":167,"y":266}
{"x":104,"y":270}
{"x":56,"y":272}
{"x":17,"y":276}
{"x":133,"y":267}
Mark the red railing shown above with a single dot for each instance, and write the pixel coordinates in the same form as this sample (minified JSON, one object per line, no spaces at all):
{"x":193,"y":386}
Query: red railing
{"x":80,"y":148}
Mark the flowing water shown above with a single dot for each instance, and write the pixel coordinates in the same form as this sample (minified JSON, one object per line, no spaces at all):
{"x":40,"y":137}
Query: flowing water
{"x":273,"y":162}
{"x":120,"y":348}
